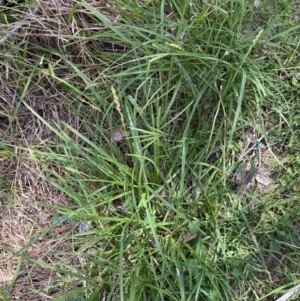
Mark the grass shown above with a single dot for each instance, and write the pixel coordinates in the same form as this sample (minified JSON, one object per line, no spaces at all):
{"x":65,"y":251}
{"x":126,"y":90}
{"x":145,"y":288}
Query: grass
{"x":129,"y":132}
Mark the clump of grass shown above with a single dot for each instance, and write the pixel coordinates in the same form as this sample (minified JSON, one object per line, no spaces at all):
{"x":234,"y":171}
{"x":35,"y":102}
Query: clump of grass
{"x":165,"y":96}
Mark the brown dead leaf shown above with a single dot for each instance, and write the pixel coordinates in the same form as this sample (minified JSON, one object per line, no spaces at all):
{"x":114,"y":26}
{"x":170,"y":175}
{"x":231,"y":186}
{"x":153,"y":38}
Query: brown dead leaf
{"x":263,"y":180}
{"x":118,"y":135}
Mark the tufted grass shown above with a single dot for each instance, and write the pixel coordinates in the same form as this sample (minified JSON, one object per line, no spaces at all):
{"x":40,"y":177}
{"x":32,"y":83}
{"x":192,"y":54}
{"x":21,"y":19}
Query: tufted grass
{"x":167,"y":102}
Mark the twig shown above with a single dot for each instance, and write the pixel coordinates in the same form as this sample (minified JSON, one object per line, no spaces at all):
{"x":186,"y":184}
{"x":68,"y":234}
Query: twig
{"x":15,"y":28}
{"x":290,"y":293}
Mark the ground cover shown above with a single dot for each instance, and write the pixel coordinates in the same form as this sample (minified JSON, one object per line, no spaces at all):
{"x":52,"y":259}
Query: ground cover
{"x":149,"y":150}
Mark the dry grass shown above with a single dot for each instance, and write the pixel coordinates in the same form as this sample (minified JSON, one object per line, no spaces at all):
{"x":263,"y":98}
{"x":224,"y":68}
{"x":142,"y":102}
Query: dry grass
{"x":26,"y":212}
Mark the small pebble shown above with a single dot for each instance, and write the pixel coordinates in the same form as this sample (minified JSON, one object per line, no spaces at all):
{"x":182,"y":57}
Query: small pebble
{"x":84,"y":226}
